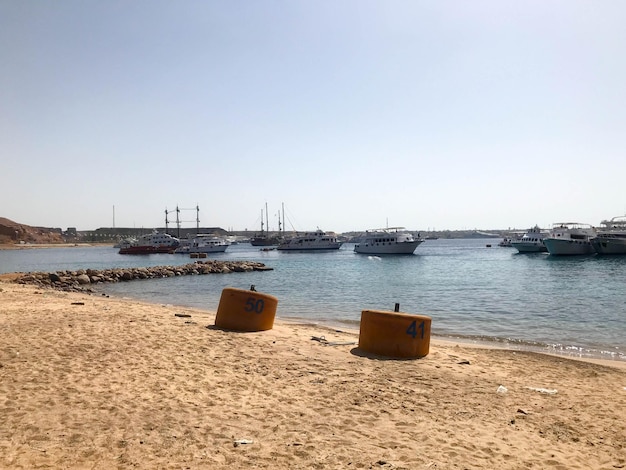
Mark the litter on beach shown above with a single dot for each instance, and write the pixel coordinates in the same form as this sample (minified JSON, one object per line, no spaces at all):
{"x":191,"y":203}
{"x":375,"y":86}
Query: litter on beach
{"x":325,"y":342}
{"x":549,"y":391}
{"x":239,"y":442}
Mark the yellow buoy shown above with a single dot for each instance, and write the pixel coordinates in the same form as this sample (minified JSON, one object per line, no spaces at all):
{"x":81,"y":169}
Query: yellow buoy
{"x":394,"y":334}
{"x":246,"y":310}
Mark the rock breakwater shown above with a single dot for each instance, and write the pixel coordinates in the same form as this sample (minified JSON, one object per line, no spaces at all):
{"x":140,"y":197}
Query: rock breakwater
{"x":81,"y":279}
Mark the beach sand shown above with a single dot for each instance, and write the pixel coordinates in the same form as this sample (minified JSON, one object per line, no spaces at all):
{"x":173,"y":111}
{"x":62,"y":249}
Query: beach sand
{"x":88,"y":381}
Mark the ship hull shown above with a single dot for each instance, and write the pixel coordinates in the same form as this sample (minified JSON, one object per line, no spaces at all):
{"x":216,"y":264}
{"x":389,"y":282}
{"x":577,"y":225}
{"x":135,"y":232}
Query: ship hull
{"x":146,"y":250}
{"x":402,"y":248}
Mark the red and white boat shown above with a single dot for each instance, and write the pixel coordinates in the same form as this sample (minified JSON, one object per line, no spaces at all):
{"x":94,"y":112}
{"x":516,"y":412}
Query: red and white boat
{"x":154,"y":242}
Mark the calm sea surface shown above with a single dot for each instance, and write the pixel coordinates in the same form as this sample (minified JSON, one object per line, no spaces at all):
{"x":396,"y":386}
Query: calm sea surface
{"x":569,"y":305}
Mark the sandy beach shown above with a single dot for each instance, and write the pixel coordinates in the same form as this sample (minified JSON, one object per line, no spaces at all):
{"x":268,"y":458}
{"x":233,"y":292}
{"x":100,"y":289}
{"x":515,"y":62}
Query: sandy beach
{"x":88,"y":381}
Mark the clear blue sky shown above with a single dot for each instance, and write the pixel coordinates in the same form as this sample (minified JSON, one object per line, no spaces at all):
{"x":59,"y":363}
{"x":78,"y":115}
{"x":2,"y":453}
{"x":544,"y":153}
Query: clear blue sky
{"x":354,"y":114}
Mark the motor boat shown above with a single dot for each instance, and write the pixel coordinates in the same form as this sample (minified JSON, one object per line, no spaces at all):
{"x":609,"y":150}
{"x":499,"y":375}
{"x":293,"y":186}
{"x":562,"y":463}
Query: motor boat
{"x":311,"y":241}
{"x":570,"y":238}
{"x":203,"y":243}
{"x":531,"y":241}
{"x":388,"y":241}
{"x":611,"y":237}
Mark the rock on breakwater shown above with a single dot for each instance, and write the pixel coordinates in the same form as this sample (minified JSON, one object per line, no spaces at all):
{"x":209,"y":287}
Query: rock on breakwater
{"x":81,"y":279}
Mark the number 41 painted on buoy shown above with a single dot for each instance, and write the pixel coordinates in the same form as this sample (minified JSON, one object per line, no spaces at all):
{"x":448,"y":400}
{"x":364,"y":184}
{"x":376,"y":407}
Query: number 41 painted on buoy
{"x":413,"y":327}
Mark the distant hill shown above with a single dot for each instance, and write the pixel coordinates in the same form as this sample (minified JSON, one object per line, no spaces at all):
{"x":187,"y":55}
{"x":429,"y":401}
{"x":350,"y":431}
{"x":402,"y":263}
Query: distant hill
{"x":13,"y":232}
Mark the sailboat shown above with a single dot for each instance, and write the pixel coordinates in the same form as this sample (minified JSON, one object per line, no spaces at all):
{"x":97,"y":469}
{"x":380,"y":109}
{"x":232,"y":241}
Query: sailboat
{"x":264,"y":238}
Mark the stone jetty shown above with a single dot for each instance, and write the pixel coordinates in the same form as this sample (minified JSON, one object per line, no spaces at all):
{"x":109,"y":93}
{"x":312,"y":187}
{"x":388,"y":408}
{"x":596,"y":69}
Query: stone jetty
{"x":82,"y":279}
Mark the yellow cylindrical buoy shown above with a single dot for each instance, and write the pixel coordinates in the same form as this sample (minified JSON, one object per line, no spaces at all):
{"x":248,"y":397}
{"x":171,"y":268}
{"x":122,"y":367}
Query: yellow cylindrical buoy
{"x":394,"y":334}
{"x":246,"y":310}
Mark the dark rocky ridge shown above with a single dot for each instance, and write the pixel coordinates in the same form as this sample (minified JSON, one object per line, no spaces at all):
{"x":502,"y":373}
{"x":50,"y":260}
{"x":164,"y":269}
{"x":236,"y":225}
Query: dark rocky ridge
{"x":12,"y":232}
{"x":81,"y":279}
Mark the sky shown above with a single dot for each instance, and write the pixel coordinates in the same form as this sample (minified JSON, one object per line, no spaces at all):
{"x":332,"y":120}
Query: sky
{"x":350,"y":114}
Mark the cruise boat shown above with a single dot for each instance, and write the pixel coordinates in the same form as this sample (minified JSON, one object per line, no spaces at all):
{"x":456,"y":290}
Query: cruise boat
{"x":311,"y":241}
{"x":531,"y":241}
{"x":154,"y":242}
{"x":611,"y":237}
{"x":203,"y":243}
{"x":388,"y":241}
{"x":570,"y":238}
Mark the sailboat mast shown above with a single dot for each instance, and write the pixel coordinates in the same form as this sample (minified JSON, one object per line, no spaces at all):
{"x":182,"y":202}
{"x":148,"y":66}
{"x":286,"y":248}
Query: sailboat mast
{"x":261,"y":222}
{"x":267,"y":220}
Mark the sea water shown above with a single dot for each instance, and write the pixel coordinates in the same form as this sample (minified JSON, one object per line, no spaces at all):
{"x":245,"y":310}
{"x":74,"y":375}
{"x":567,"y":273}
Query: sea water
{"x":472,"y":289}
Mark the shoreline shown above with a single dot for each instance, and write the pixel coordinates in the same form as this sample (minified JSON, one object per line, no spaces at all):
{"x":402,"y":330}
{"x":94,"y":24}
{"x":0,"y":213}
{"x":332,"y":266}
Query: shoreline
{"x":41,"y":246}
{"x":453,"y":339}
{"x":352,"y":326}
{"x":596,"y":356}
{"x":91,"y":380}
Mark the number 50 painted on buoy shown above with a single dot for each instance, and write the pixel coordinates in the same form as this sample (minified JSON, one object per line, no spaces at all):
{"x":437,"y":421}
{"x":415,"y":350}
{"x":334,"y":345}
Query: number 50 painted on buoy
{"x":254,"y":305}
{"x":245,"y":310}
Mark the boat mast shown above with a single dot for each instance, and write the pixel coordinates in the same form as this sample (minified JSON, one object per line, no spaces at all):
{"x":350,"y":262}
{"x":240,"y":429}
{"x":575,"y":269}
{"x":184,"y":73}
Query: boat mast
{"x":267,"y":221}
{"x":197,"y":219}
{"x":177,"y":222}
{"x":261,"y":222}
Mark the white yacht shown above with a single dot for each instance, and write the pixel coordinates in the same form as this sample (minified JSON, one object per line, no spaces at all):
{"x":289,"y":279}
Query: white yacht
{"x":531,"y":241}
{"x":388,"y":241}
{"x":311,"y":241}
{"x":611,"y":237}
{"x":203,"y":243}
{"x":570,"y":238}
